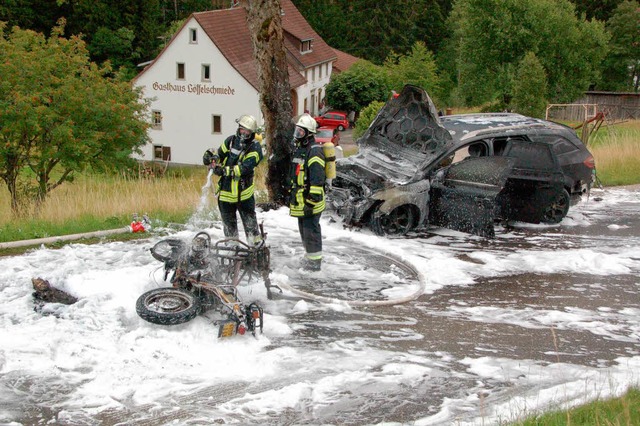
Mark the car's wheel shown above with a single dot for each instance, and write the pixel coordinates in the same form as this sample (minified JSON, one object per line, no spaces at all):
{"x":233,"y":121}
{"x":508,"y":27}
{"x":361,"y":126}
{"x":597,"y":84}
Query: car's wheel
{"x":168,"y":306}
{"x":558,"y":208}
{"x":398,"y":222}
{"x":340,"y":127}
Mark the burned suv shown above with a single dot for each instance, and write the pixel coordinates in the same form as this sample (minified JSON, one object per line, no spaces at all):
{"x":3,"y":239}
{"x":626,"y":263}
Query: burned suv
{"x":462,"y":172}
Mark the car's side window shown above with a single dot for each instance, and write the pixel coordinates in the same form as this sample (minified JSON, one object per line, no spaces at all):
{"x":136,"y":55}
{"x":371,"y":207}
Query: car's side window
{"x":475,"y":149}
{"x":500,"y":144}
{"x":531,"y":155}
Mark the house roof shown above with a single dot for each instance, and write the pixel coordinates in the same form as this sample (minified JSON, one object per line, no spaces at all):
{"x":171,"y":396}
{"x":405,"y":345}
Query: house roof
{"x":343,"y":61}
{"x":228,"y":30}
{"x":297,"y":29}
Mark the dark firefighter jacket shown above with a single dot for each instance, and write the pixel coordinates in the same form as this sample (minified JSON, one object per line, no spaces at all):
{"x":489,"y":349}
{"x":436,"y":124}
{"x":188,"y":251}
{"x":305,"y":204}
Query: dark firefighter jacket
{"x":238,"y":186}
{"x":307,"y":178}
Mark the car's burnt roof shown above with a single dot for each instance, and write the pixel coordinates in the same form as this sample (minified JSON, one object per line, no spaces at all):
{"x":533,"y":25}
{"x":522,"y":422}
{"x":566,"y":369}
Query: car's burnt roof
{"x":465,"y":125}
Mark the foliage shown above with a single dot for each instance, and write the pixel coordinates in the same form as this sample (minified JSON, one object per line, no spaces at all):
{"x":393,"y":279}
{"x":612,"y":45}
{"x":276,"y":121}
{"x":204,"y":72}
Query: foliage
{"x":595,"y":9}
{"x":530,"y":87}
{"x":492,"y":36}
{"x":367,"y":115}
{"x":371,"y":29}
{"x":60,"y":113}
{"x":357,"y":87}
{"x":417,"y":67}
{"x":622,"y":64}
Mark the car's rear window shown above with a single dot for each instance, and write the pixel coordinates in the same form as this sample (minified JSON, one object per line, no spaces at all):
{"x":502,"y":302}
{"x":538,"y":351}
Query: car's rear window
{"x":531,"y":155}
{"x":324,"y":134}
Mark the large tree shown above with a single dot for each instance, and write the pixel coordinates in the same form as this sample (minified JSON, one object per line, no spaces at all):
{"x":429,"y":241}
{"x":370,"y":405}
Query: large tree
{"x":372,"y":29}
{"x":265,"y":25}
{"x":622,"y":64}
{"x":492,"y":36}
{"x":60,"y":113}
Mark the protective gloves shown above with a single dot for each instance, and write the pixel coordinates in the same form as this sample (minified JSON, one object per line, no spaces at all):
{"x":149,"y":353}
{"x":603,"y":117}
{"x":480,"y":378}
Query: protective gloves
{"x":218,"y":170}
{"x":209,"y":157}
{"x":308,"y":210}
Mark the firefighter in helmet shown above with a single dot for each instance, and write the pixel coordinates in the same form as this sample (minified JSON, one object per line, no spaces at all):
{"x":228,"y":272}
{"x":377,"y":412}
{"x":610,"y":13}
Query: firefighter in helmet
{"x":307,"y":180}
{"x":235,"y":163}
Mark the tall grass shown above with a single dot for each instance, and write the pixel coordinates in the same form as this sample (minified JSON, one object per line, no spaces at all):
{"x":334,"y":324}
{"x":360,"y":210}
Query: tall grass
{"x":624,"y":410}
{"x":616,"y":149}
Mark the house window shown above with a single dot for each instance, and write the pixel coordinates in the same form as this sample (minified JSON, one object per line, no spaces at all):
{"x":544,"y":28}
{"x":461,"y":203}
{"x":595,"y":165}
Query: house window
{"x":156,"y":120}
{"x":193,"y":35}
{"x":216,"y":124}
{"x":305,"y":46}
{"x":313,"y":74}
{"x":180,"y":71}
{"x":206,"y":72}
{"x":161,"y":152}
{"x":320,"y":72}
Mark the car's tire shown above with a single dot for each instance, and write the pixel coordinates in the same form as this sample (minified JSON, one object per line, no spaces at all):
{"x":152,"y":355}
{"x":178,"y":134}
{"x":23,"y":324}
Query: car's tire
{"x":400,"y":221}
{"x":341,"y":127}
{"x":557,"y":209}
{"x":168,"y":306}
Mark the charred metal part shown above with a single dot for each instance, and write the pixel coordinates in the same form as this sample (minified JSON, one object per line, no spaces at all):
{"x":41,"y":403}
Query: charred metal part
{"x":205,"y":276}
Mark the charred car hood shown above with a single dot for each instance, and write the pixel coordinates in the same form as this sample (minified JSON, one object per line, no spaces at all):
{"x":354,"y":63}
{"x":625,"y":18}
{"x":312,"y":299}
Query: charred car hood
{"x":403,"y":141}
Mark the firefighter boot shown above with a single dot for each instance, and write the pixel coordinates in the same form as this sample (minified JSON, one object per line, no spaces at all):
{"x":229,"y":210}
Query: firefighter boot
{"x":311,"y":265}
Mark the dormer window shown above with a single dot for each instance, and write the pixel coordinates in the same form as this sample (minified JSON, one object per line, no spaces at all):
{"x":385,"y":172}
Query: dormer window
{"x":305,"y":46}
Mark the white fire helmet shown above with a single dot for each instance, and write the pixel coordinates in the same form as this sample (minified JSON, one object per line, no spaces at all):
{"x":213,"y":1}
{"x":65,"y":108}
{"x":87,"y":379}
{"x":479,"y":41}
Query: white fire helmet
{"x":248,"y":122}
{"x":307,"y":122}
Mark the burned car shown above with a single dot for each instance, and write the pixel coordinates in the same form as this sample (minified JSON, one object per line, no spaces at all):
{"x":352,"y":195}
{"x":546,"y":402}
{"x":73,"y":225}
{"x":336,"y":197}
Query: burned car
{"x":463,"y":172}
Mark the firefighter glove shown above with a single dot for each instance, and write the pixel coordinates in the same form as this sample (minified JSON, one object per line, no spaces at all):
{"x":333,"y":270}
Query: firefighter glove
{"x":308,"y":210}
{"x":218,"y":170}
{"x":209,"y":157}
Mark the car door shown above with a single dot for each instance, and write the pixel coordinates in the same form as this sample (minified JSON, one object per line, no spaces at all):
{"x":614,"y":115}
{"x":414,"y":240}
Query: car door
{"x":463,"y":196}
{"x":535,"y":180}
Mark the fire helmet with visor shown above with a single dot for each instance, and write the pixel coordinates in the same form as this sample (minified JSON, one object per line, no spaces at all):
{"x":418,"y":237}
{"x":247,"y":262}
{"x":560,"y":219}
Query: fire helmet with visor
{"x":306,"y":125}
{"x":247,"y":126}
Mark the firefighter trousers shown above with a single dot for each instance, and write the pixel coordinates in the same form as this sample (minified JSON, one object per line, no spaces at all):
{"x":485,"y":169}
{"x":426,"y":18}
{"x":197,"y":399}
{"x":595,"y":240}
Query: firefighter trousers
{"x":247,"y":210}
{"x":311,"y":235}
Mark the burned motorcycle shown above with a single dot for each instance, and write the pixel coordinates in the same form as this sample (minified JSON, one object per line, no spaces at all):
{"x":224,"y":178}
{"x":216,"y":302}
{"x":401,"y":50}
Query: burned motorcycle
{"x":206,"y":276}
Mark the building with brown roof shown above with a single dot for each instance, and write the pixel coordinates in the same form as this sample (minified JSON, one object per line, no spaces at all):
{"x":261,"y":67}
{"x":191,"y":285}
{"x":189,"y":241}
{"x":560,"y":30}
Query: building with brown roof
{"x":206,"y":77}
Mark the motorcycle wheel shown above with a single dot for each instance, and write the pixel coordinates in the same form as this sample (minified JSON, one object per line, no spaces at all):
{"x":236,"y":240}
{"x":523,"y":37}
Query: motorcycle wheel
{"x":168,"y":306}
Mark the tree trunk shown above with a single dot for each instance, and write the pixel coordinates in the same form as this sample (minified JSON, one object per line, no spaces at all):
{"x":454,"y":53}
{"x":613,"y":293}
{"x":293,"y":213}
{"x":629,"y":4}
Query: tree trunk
{"x":265,"y":26}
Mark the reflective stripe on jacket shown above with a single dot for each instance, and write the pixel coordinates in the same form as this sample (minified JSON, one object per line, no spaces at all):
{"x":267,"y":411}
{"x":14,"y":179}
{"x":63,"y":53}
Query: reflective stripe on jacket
{"x":307,"y":179}
{"x":242,"y":162}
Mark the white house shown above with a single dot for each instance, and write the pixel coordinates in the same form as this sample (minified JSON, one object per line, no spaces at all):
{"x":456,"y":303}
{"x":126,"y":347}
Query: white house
{"x":206,"y":77}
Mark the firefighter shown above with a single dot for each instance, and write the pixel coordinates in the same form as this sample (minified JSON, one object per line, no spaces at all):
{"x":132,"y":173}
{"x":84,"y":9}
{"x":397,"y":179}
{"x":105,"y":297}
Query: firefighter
{"x":307,"y":180}
{"x":235,"y":163}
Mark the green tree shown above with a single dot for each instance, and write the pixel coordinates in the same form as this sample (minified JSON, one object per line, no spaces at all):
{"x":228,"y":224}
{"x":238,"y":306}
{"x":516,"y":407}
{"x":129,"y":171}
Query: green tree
{"x":371,"y":29}
{"x":492,"y":36}
{"x":417,"y":67}
{"x":357,"y":87}
{"x":367,"y":115}
{"x":596,"y":9}
{"x":529,"y":87}
{"x":59,"y":114}
{"x":622,"y":64}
